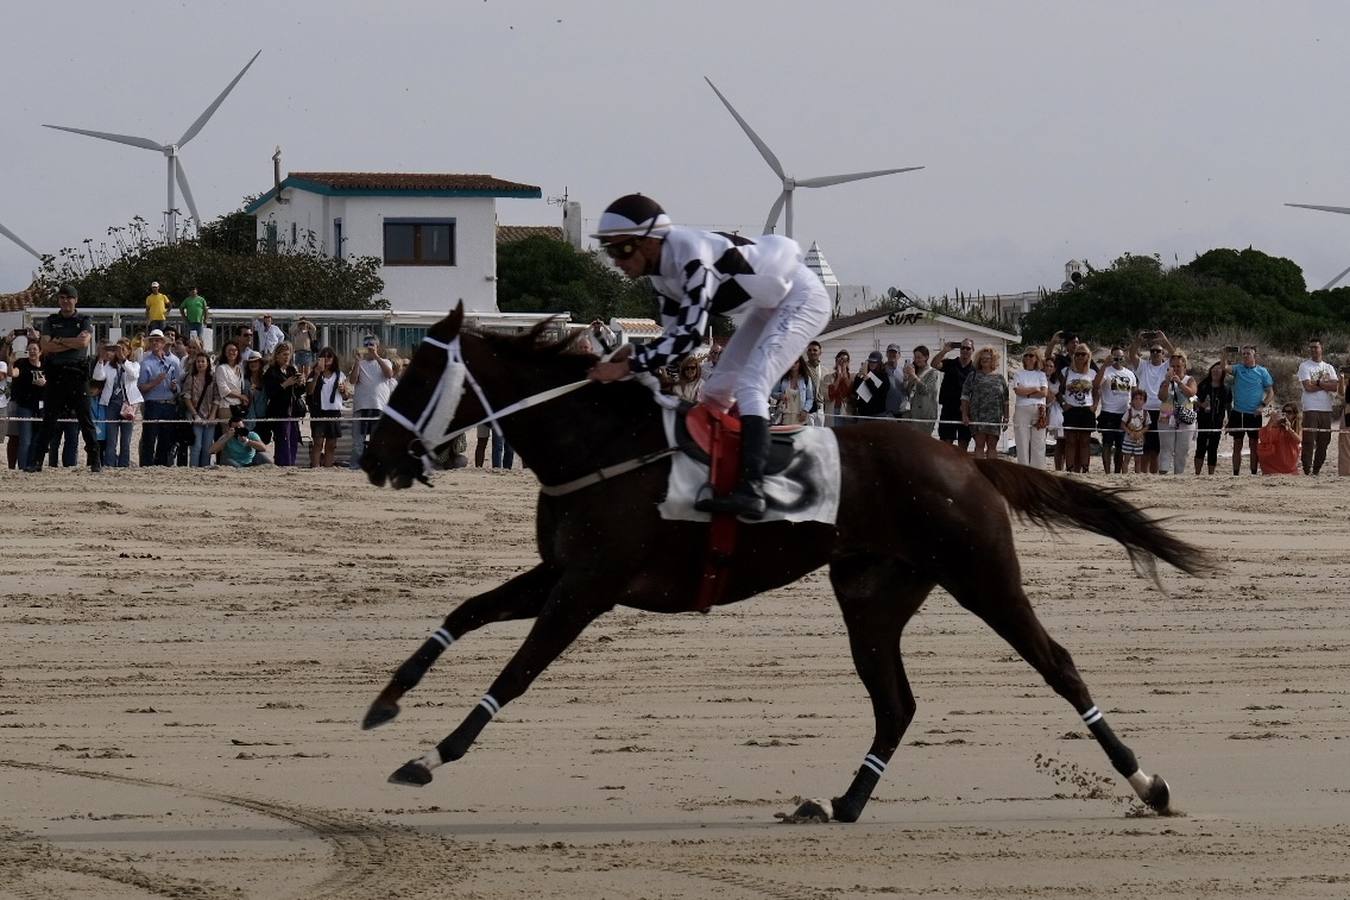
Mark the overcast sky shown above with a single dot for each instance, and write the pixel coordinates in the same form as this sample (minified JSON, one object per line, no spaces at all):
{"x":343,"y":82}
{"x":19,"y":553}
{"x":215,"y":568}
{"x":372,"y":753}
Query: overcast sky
{"x":1050,"y":130}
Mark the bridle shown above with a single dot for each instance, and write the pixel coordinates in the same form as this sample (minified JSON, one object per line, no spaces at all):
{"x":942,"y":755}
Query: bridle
{"x":429,"y":429}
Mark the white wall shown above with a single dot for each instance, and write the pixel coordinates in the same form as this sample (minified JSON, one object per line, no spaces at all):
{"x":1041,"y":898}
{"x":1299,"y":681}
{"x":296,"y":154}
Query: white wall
{"x":408,"y":288}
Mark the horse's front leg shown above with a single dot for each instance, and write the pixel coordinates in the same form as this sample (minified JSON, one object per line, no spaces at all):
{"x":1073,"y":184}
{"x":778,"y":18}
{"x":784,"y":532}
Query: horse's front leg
{"x":520,"y":598}
{"x":570,"y":608}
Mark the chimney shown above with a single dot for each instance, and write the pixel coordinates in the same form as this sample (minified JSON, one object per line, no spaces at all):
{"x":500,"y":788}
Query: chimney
{"x":572,"y":223}
{"x":276,"y":175}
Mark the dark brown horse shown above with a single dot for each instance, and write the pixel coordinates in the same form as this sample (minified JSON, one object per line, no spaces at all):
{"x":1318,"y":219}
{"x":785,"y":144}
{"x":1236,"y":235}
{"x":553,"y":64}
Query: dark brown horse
{"x":605,"y":545}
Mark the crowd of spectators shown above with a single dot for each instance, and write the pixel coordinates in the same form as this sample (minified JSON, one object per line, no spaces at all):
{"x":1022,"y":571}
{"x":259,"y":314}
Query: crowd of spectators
{"x":239,"y":406}
{"x":1142,"y":403}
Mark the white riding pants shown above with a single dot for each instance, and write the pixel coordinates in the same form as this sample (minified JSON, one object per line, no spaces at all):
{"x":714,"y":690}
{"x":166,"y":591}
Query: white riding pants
{"x":765,"y":344}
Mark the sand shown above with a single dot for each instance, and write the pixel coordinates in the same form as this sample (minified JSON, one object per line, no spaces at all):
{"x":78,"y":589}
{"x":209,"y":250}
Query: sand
{"x":187,"y":655}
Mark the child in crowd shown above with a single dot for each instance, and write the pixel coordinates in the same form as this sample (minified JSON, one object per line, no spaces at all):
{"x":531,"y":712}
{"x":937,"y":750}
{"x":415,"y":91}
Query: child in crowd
{"x":1135,"y":425}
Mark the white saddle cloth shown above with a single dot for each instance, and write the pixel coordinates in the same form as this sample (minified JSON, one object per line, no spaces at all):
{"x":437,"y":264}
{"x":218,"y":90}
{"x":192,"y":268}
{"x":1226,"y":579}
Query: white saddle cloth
{"x":806,"y":491}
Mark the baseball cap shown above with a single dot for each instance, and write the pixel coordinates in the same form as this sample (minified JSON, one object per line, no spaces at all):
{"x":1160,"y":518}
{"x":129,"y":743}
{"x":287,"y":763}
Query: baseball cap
{"x":156,"y":333}
{"x":68,"y":290}
{"x":154,"y":284}
{"x":892,"y":348}
{"x":874,"y":356}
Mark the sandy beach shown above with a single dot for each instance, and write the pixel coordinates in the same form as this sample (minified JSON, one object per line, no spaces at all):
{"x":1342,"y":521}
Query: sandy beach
{"x":189,"y":652}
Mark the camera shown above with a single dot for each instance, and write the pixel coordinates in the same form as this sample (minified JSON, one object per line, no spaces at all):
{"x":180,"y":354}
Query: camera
{"x":241,"y":432}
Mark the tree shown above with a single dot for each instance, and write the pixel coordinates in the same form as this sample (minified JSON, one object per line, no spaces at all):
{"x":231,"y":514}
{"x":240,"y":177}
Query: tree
{"x":542,"y":274}
{"x":222,"y":262}
{"x":1220,"y":289}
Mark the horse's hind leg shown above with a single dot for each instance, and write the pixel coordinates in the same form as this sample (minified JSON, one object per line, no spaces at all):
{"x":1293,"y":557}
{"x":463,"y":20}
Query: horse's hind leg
{"x":1007,"y":611}
{"x":877,"y":597}
{"x":520,"y":598}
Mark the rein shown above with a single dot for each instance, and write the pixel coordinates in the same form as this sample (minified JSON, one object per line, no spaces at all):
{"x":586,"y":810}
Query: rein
{"x":430,"y":434}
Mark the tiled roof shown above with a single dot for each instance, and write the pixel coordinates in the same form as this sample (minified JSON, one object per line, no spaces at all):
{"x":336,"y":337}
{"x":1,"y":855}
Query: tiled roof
{"x":410,"y":181}
{"x":509,"y":234}
{"x":18,"y":302}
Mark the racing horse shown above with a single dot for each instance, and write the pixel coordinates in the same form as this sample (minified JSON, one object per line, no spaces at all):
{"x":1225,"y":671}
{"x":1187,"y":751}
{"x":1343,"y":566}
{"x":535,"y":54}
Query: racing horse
{"x":601,"y":454}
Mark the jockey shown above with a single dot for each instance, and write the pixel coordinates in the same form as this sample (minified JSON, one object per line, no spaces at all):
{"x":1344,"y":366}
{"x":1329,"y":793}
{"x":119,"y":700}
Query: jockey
{"x":700,"y":273}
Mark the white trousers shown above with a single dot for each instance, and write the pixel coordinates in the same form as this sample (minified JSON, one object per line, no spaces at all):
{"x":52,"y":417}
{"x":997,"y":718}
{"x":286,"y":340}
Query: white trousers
{"x":1030,"y":439}
{"x":765,"y":344}
{"x":1174,"y":446}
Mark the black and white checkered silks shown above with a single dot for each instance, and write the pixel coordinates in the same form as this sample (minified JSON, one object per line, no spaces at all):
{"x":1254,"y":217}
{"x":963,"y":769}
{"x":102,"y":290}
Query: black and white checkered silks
{"x":704,"y":272}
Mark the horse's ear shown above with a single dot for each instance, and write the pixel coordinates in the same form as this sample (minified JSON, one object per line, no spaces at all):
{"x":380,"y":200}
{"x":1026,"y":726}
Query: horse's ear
{"x":456,"y":318}
{"x":447,"y":329}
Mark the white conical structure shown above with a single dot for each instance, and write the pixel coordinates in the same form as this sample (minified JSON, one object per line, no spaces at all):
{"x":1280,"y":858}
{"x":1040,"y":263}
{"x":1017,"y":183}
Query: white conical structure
{"x":20,"y":241}
{"x":815,"y":261}
{"x":784,"y":202}
{"x":176,"y":175}
{"x":1343,"y":210}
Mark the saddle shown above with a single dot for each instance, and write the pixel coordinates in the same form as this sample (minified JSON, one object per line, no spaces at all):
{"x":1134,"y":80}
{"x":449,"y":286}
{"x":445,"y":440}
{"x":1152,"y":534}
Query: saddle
{"x":713,"y":438}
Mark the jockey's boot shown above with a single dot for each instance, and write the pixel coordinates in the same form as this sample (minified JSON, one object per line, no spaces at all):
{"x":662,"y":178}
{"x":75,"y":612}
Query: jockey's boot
{"x":747,"y":498}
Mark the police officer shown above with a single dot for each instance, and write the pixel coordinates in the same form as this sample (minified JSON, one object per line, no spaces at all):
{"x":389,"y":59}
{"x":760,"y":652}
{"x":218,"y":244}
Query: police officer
{"x":65,"y":343}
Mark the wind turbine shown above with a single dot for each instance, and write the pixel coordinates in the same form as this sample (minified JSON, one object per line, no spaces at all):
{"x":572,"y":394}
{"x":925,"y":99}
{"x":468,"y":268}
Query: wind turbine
{"x":790,"y":184}
{"x":20,"y":241}
{"x":1344,"y":210}
{"x":170,"y":151}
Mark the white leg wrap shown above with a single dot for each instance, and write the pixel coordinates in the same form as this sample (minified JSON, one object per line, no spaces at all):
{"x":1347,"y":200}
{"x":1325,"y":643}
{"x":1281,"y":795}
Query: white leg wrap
{"x":443,"y":637}
{"x":431,"y":759}
{"x":1140,"y":782}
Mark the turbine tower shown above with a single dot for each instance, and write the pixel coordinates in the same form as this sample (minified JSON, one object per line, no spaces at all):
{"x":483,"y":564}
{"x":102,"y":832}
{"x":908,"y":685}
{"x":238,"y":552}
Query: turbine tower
{"x":784,"y":202}
{"x":176,"y":175}
{"x":1344,"y":210}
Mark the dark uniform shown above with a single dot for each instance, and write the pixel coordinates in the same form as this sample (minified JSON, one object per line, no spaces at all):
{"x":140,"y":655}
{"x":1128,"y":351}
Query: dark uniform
{"x":67,"y":389}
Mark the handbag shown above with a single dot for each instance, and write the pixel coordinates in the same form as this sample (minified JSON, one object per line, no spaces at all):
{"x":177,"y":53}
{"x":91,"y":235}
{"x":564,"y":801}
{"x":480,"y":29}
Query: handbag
{"x":1184,"y":412}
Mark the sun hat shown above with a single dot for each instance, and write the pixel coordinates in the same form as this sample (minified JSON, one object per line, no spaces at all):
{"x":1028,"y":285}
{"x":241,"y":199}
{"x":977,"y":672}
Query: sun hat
{"x":156,"y":333}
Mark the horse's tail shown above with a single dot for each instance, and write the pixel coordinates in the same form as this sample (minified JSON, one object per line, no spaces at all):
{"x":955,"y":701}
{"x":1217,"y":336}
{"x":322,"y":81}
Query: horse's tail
{"x":1051,"y":500}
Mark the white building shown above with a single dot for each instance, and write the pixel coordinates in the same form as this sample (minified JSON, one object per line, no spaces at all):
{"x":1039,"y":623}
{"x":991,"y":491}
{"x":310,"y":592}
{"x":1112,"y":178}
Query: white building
{"x":435,"y":233}
{"x":908,"y":328}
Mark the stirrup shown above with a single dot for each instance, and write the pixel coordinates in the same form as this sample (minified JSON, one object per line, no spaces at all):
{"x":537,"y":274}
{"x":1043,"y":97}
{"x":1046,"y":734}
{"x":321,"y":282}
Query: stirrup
{"x":746,"y":501}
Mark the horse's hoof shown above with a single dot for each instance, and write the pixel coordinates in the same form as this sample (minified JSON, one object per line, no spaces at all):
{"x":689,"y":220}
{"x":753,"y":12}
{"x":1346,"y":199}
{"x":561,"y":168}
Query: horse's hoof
{"x":411,"y":773}
{"x":809,"y":813}
{"x":380,"y":711}
{"x":1159,"y":795}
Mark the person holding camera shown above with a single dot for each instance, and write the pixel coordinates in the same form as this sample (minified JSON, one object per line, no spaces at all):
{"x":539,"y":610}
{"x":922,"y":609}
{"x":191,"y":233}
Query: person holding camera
{"x":28,"y":391}
{"x":65,"y":342}
{"x":1319,"y":381}
{"x":1151,"y":374}
{"x":285,"y":388}
{"x":955,"y":371}
{"x":1176,"y":421}
{"x":1214,"y":400}
{"x":372,"y":381}
{"x":158,"y":383}
{"x":302,"y":336}
{"x":238,"y":447}
{"x":324,"y":392}
{"x":1253,"y":388}
{"x":121,"y":396}
{"x":1280,"y":439}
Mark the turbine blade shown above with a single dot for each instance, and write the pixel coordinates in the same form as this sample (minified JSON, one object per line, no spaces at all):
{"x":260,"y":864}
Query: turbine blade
{"x":827,"y":180}
{"x":1332,"y":283}
{"x":1336,"y":209}
{"x":763,"y":148}
{"x":118,"y":138}
{"x":187,"y":192}
{"x":1341,"y":209}
{"x":210,"y":110}
{"x":22,"y":243}
{"x":772,"y":222}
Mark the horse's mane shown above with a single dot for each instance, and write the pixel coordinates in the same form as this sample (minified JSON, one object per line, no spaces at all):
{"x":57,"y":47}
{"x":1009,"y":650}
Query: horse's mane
{"x":534,"y":345}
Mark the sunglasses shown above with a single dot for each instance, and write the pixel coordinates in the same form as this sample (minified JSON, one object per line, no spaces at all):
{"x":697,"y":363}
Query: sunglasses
{"x":621,"y":250}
